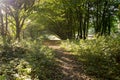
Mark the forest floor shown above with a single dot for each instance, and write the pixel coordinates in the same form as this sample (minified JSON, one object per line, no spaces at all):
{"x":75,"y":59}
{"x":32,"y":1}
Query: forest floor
{"x":69,"y":66}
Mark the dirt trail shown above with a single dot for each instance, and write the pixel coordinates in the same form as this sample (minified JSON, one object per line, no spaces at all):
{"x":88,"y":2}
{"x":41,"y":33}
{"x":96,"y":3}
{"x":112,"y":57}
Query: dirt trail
{"x":69,"y":66}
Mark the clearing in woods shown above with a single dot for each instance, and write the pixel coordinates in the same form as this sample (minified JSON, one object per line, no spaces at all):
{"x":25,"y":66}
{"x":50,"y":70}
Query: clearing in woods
{"x":67,"y":62}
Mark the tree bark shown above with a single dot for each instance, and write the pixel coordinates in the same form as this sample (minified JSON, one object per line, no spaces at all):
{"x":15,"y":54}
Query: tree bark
{"x":2,"y":23}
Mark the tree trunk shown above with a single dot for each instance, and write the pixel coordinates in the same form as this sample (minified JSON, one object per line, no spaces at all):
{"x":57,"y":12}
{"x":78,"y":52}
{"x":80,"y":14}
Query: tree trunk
{"x":84,"y":28}
{"x":18,"y":29}
{"x":2,"y":23}
{"x":6,"y":31}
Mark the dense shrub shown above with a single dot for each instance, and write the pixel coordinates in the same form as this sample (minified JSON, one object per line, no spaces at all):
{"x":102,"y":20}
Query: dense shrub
{"x":26,"y":60}
{"x":101,"y":57}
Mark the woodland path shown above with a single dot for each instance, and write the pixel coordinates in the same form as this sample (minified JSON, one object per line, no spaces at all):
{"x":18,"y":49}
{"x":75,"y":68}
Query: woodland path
{"x":67,"y":62}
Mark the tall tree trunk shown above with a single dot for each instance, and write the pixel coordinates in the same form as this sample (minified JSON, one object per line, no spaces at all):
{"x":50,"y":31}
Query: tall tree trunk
{"x":2,"y":27}
{"x":80,"y":26}
{"x":109,"y":20}
{"x":18,"y":29}
{"x":97,"y":18}
{"x":84,"y":28}
{"x":6,"y":29}
{"x":2,"y":23}
{"x":104,"y":18}
{"x":109,"y":25}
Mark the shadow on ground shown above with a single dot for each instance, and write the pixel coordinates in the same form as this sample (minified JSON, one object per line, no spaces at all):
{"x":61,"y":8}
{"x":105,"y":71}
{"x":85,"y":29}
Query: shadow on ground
{"x":70,"y":67}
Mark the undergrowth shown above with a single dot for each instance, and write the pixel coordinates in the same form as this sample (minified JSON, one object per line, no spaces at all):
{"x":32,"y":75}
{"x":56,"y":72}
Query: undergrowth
{"x":30,"y":60}
{"x":26,"y":60}
{"x":101,"y":57}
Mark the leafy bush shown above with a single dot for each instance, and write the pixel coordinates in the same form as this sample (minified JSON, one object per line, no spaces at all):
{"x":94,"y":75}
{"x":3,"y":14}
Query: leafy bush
{"x":70,"y":45}
{"x":26,"y":60}
{"x":101,"y":57}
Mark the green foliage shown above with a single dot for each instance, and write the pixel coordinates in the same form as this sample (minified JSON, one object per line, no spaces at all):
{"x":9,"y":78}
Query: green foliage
{"x":26,"y":60}
{"x":68,"y":45}
{"x":2,"y":77}
{"x":101,"y":57}
{"x":41,"y":59}
{"x":71,"y":19}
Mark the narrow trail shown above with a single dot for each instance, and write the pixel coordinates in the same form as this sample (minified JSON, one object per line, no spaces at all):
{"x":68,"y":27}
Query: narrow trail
{"x":68,"y":64}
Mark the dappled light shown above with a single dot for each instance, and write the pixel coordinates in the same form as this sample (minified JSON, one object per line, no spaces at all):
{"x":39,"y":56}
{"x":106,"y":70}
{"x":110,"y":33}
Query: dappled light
{"x":59,"y":39}
{"x":100,"y":56}
{"x":69,"y":66}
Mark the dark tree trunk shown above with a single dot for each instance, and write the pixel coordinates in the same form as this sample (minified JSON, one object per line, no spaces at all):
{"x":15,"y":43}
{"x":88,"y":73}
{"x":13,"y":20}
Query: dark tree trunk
{"x":18,"y":29}
{"x":84,"y":28}
{"x":2,"y":24}
{"x":109,"y":20}
{"x":80,"y":26}
{"x":6,"y":24}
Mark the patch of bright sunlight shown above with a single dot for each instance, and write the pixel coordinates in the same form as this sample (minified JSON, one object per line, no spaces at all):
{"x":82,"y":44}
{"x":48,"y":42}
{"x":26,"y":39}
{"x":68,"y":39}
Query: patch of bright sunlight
{"x":53,"y":37}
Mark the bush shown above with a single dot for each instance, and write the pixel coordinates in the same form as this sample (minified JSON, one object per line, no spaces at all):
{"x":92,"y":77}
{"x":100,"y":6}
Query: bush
{"x":26,"y":60}
{"x":101,"y":57}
